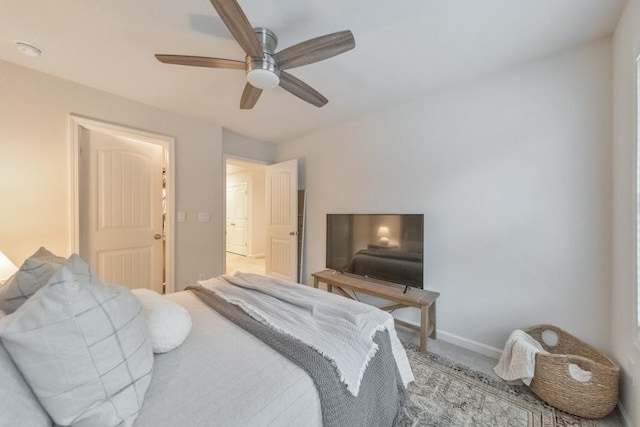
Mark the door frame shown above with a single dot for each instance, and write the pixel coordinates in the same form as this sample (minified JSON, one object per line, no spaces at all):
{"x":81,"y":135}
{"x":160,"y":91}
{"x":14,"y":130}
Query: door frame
{"x":226,"y":157}
{"x":76,"y":123}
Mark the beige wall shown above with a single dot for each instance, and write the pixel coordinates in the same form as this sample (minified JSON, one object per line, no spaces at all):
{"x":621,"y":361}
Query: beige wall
{"x":626,"y":48}
{"x":34,"y":167}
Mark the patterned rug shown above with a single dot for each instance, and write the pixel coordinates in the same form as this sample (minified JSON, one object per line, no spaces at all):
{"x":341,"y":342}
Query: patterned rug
{"x":449,"y":394}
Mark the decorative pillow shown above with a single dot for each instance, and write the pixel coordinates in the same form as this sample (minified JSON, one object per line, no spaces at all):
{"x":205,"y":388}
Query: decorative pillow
{"x":34,"y":273}
{"x":83,"y":347}
{"x":18,"y":405}
{"x":169,"y":323}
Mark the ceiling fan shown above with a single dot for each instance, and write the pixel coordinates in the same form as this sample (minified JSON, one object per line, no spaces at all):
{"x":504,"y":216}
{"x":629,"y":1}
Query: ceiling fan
{"x":263,"y":66}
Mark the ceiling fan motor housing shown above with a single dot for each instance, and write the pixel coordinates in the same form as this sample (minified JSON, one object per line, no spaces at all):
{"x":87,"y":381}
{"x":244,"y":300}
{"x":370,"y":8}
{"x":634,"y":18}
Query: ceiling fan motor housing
{"x":264,"y":73}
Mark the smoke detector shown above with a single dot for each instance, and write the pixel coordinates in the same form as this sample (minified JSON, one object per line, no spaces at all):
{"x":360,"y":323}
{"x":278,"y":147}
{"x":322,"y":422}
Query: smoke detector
{"x":28,"y":49}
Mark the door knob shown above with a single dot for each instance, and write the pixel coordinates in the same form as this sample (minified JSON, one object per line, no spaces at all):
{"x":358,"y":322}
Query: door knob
{"x":293,"y":233}
{"x":157,"y":236}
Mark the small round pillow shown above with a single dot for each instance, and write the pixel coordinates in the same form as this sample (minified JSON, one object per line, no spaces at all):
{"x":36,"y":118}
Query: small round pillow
{"x":169,"y":323}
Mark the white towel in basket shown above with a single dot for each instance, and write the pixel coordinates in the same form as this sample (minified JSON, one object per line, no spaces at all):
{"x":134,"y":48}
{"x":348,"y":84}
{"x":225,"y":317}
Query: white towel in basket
{"x":518,"y":360}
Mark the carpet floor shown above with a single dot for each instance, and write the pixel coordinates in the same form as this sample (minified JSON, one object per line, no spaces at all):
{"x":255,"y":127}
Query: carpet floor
{"x":448,"y":394}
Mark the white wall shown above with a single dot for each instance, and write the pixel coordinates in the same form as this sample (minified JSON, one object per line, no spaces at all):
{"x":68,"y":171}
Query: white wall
{"x":513,"y":175}
{"x":626,"y":48}
{"x":240,"y":146}
{"x":34,"y":167}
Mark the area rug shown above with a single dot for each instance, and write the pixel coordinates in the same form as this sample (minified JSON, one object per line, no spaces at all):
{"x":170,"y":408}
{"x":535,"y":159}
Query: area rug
{"x":448,"y":394}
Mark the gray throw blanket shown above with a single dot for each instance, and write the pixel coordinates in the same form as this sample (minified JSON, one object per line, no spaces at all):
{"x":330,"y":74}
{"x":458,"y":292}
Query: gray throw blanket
{"x":381,"y":392}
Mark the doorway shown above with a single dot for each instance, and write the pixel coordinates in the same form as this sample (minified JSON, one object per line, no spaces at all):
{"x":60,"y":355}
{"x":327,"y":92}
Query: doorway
{"x":122,"y":215}
{"x":280,"y":241}
{"x":245,"y":222}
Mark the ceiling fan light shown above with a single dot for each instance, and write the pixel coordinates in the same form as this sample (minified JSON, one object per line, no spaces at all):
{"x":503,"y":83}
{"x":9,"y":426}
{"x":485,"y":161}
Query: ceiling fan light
{"x":263,"y":79}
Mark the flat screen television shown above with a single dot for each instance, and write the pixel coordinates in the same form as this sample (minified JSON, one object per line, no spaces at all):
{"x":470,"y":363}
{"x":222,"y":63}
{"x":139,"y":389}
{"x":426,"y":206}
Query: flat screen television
{"x":380,"y":246}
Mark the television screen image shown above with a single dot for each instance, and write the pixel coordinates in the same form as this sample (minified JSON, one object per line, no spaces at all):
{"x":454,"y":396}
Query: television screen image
{"x":380,"y":246}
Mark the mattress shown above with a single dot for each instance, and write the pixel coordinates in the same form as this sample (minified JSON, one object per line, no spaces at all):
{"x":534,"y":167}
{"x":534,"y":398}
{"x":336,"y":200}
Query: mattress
{"x":223,"y":376}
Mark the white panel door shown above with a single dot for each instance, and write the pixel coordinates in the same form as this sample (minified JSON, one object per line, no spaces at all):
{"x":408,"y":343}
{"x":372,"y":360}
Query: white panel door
{"x":237,"y":216}
{"x":121,"y":210}
{"x":282,"y":220}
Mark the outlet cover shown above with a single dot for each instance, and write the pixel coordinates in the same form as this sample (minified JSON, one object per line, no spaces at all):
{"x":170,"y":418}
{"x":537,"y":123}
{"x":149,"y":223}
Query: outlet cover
{"x":631,"y":367}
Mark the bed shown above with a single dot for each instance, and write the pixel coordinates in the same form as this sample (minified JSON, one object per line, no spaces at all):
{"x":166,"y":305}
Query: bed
{"x":222,"y":374}
{"x":240,"y":379}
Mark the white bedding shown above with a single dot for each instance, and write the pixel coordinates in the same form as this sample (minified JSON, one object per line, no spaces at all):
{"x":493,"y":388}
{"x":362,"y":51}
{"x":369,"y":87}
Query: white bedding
{"x":223,"y":376}
{"x":340,"y":329}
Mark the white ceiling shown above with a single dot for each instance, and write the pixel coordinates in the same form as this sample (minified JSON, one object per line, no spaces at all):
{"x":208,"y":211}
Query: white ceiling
{"x":404,"y":50}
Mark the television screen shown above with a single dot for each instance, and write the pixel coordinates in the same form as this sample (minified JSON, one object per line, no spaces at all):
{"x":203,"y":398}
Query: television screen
{"x":385,"y":247}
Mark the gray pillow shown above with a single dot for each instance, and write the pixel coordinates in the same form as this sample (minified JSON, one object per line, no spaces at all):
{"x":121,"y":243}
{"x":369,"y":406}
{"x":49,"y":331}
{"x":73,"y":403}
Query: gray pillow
{"x":34,"y":273}
{"x":18,"y":405}
{"x":83,"y":347}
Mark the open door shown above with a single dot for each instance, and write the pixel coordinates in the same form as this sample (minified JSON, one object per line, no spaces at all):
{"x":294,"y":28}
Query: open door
{"x":121,"y":195}
{"x":282,"y":220}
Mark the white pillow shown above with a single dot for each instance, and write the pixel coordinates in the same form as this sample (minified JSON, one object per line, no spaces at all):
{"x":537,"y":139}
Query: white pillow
{"x":34,"y":273}
{"x":169,"y":323}
{"x":83,"y":347}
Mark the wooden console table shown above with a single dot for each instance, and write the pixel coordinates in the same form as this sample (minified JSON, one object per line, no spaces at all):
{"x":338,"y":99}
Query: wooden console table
{"x":418,"y":298}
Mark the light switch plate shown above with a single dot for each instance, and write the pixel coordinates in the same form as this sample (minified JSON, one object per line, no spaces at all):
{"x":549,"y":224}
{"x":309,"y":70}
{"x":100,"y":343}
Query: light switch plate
{"x":181,"y":217}
{"x":204,"y":217}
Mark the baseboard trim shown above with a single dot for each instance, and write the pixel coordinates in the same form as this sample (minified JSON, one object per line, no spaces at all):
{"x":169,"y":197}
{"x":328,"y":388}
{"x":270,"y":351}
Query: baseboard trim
{"x":470,"y":344}
{"x":626,"y":419}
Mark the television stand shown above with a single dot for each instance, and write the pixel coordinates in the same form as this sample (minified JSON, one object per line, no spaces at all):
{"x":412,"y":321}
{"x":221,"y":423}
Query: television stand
{"x":418,"y":298}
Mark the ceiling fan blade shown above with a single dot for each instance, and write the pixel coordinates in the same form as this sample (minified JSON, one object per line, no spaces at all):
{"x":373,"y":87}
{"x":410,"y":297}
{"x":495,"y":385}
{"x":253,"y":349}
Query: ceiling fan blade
{"x":250,"y":96}
{"x":315,"y":50}
{"x":302,"y":90}
{"x":239,"y":26}
{"x":201,"y":61}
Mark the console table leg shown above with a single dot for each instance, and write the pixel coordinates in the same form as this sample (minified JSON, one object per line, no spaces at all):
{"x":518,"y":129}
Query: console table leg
{"x":424,"y":328}
{"x":432,"y":320}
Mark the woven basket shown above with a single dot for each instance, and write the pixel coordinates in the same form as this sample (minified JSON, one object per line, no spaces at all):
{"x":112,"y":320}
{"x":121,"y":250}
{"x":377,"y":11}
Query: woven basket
{"x":552,"y":382}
